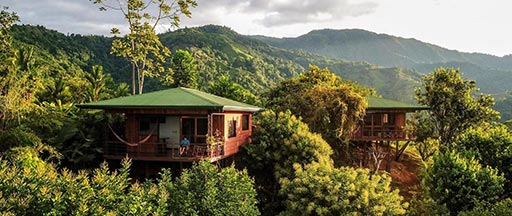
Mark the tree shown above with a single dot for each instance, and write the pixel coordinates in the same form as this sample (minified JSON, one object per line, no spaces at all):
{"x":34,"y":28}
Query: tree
{"x":185,"y":70}
{"x":422,"y":127}
{"x":279,"y":141}
{"x":97,"y":83}
{"x":461,"y":183}
{"x":492,"y":146}
{"x":322,"y":190}
{"x":224,"y":87}
{"x":7,"y":19}
{"x":329,"y":105}
{"x":204,"y":190}
{"x":33,"y":186}
{"x":141,"y":46}
{"x":453,"y":103}
{"x":503,"y":207}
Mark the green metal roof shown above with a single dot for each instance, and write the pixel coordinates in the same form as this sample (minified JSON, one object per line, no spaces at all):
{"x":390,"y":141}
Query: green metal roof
{"x":174,"y":98}
{"x":382,"y":103}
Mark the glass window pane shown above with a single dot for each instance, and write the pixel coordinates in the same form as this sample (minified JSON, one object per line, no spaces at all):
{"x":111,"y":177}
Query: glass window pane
{"x":245,"y":122}
{"x":202,"y":127}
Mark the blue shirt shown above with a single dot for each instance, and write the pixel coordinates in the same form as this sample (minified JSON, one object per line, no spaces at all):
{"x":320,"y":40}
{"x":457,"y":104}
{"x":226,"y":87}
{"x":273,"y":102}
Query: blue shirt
{"x":185,"y":142}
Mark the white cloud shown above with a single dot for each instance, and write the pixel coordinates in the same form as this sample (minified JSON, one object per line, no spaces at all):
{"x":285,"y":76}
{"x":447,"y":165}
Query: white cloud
{"x":472,"y":25}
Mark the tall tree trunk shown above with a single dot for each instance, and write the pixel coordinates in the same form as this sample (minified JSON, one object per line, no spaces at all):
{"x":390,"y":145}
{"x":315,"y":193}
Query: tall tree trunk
{"x":134,"y":87}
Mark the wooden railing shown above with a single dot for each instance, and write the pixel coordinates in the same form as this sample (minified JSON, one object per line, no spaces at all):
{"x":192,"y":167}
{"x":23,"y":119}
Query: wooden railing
{"x":163,"y":151}
{"x":381,"y":133}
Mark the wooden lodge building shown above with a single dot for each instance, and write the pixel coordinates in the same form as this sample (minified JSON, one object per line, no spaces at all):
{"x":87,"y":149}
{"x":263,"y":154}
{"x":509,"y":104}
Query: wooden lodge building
{"x":385,"y":120}
{"x":156,"y":122}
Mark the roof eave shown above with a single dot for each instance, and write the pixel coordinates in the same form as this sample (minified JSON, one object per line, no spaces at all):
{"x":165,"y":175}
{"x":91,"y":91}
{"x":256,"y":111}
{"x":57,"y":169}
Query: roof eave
{"x":238,"y":108}
{"x":146,"y":107}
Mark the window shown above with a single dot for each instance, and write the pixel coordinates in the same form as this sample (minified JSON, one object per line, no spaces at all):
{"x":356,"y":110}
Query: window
{"x":202,"y":127}
{"x":245,"y":122}
{"x":147,"y":125}
{"x":377,"y":119}
{"x":232,"y":128}
{"x":194,"y":128}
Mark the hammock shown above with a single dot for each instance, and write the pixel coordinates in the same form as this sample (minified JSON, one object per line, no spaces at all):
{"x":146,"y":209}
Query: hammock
{"x":131,"y":144}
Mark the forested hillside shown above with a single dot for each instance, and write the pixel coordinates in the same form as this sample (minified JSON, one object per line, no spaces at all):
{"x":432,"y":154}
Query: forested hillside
{"x":381,"y":49}
{"x":492,"y":73}
{"x":221,"y":51}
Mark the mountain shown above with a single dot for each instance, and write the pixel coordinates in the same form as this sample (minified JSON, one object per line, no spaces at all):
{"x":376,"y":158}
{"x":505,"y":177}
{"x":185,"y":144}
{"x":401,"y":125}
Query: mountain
{"x":381,"y":49}
{"x":255,"y":64}
{"x":218,"y":51}
{"x":491,"y":72}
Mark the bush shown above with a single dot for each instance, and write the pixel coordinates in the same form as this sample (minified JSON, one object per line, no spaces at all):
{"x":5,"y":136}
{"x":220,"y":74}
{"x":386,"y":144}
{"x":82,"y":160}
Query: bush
{"x":324,"y":190}
{"x":279,"y":141}
{"x":30,"y":186}
{"x":460,"y":183}
{"x":503,"y":207}
{"x":424,"y":205}
{"x":203,"y":190}
{"x":492,"y":145}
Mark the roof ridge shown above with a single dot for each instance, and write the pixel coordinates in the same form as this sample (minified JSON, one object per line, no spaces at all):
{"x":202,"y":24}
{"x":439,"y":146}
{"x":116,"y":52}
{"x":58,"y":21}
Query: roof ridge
{"x":194,"y":91}
{"x":216,"y":96}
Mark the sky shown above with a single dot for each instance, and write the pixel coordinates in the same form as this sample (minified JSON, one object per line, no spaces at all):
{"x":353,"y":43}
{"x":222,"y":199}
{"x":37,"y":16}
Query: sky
{"x":464,"y":25}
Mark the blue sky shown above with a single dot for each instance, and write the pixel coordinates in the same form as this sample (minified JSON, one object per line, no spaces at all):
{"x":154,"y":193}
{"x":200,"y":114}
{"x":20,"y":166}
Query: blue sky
{"x":464,"y":25}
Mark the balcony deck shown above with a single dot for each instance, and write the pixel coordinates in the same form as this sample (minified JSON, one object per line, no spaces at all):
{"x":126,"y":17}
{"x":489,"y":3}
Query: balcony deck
{"x":388,"y":133}
{"x":163,"y":152}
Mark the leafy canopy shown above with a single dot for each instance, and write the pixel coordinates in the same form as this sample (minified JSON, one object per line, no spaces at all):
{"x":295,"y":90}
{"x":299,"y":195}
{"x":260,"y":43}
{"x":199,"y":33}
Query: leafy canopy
{"x":32,"y":186}
{"x":224,"y":87}
{"x":453,"y":103}
{"x":492,"y":146}
{"x":185,"y":70}
{"x":461,"y":183}
{"x":329,"y":105}
{"x":322,"y":190}
{"x":279,"y":141}
{"x":141,"y":46}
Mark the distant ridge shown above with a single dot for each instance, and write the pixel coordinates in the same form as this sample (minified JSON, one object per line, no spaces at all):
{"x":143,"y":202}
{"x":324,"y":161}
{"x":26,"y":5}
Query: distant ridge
{"x":381,"y":49}
{"x":493,"y":74}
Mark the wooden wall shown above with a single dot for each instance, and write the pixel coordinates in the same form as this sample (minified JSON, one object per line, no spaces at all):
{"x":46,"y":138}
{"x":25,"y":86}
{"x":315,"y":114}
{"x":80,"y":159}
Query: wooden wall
{"x":232,"y":144}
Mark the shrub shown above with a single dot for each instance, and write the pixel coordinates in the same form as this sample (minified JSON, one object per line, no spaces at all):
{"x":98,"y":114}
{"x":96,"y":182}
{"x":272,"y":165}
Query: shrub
{"x":324,"y":190}
{"x":460,"y":183}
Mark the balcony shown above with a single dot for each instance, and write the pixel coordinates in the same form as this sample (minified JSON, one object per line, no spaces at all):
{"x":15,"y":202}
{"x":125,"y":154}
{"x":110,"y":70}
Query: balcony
{"x":164,"y":152}
{"x":391,"y":133}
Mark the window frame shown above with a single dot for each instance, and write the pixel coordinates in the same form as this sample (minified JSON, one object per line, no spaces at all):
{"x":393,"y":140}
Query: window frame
{"x":245,"y":122}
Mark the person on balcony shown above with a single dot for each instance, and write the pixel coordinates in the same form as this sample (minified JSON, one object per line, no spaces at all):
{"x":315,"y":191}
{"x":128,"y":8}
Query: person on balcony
{"x":184,"y":145}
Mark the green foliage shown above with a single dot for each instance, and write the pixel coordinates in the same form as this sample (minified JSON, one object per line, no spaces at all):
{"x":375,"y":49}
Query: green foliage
{"x":224,"y":87}
{"x":492,"y":72}
{"x":503,"y":207}
{"x":492,"y":146}
{"x":423,"y":205}
{"x":422,"y":127}
{"x":427,"y":148}
{"x":279,"y":141}
{"x":461,"y":183}
{"x":220,"y":51}
{"x":41,"y":189}
{"x":32,"y":186}
{"x":97,"y":81}
{"x":204,"y":190}
{"x":141,"y":46}
{"x":504,"y":105}
{"x":329,"y":105}
{"x":7,"y":19}
{"x":322,"y":190}
{"x":185,"y":70}
{"x":453,"y":103}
